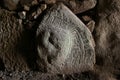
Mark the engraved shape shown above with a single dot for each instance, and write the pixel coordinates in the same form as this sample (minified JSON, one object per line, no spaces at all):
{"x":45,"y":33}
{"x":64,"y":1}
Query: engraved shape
{"x":64,"y":42}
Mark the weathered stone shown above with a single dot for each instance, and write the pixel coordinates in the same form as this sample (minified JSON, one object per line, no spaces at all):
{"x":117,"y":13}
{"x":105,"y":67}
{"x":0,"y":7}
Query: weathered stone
{"x":50,"y":1}
{"x":86,"y":18}
{"x":73,"y":3}
{"x":64,"y":43}
{"x":26,"y":2}
{"x":36,"y":13}
{"x":14,"y":4}
{"x":43,"y":7}
{"x":9,"y":34}
{"x":26,"y":8}
{"x":84,"y":5}
{"x":79,"y":6}
{"x":14,"y":43}
{"x":34,"y":2}
{"x":91,"y":25}
{"x":22,"y":15}
{"x":10,"y":4}
{"x":107,"y":38}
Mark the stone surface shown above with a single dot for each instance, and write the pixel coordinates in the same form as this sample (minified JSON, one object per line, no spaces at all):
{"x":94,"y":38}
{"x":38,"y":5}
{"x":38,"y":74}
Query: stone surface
{"x":91,"y":25}
{"x":22,"y":15}
{"x":34,"y":2}
{"x":15,"y":4}
{"x":86,"y":18}
{"x":50,"y":1}
{"x":79,"y":6}
{"x":43,"y":6}
{"x":26,"y":8}
{"x":106,"y":35}
{"x":107,"y":38}
{"x":4,"y":75}
{"x":64,"y":43}
{"x":15,"y":43}
{"x":10,"y":4}
{"x":75,"y":5}
{"x":84,"y":5}
{"x":26,"y":2}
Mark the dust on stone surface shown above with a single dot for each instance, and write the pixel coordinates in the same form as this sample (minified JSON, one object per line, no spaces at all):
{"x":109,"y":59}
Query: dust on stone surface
{"x":104,"y":68}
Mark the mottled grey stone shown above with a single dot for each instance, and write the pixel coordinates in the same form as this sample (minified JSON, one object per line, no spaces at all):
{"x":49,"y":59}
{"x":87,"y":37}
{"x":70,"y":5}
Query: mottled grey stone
{"x":64,"y":43}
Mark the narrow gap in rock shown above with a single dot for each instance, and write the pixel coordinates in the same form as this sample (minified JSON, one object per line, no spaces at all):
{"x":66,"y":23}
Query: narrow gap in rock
{"x":49,"y":59}
{"x":1,"y":4}
{"x":2,"y":66}
{"x":99,"y":60}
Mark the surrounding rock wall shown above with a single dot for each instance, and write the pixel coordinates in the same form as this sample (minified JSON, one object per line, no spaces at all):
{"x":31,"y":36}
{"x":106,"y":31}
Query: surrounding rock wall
{"x":15,"y":43}
{"x":107,"y":38}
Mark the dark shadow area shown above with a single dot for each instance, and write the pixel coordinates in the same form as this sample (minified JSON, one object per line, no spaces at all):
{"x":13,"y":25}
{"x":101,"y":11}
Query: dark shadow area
{"x":92,"y":13}
{"x":26,"y":48}
{"x":2,"y":66}
{"x":99,"y":60}
{"x":118,"y":76}
{"x":1,"y":3}
{"x":27,"y":45}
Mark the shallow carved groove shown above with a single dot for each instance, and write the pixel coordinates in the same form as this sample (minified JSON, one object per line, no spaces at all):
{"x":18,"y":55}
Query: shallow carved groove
{"x":69,"y":48}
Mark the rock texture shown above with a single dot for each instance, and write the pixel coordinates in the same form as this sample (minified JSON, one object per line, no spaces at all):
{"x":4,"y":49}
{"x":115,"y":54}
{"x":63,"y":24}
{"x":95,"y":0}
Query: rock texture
{"x":15,"y":43}
{"x":10,"y":4}
{"x":64,"y":42}
{"x":19,"y":59}
{"x":43,"y":76}
{"x":107,"y":38}
{"x":79,"y":6}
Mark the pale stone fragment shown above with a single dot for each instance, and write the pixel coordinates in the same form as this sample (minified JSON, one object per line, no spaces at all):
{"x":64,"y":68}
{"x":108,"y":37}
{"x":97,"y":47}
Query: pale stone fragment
{"x":64,"y":43}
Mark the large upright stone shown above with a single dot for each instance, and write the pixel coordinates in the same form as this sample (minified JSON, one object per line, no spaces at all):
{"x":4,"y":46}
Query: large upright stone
{"x":64,"y":43}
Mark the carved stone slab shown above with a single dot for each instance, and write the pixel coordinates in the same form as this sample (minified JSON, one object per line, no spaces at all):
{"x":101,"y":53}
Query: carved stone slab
{"x":64,"y":43}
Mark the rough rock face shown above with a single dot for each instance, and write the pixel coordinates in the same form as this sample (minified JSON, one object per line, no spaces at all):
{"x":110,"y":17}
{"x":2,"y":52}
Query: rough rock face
{"x":10,"y":4}
{"x":14,"y":43}
{"x":107,"y":38}
{"x":64,"y":42}
{"x":32,"y":75}
{"x":77,"y":6}
{"x":15,"y":4}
